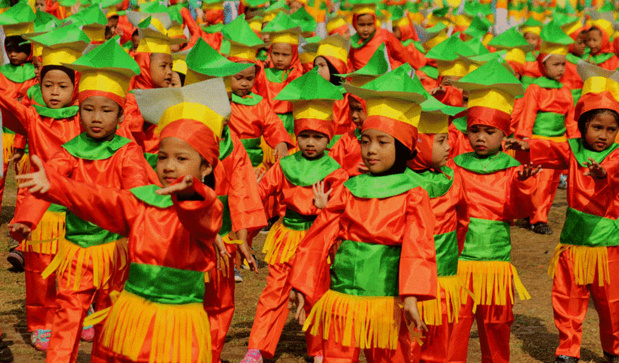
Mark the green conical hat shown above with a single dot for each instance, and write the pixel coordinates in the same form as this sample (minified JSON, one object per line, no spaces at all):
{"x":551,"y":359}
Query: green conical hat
{"x":304,"y":20}
{"x":554,"y":40}
{"x":449,"y":49}
{"x":153,"y":29}
{"x":281,"y":23}
{"x":44,"y":22}
{"x":239,"y":33}
{"x":91,"y":15}
{"x":477,"y":46}
{"x":61,"y":45}
{"x":153,"y":7}
{"x":18,"y":19}
{"x":396,"y":84}
{"x":273,"y":10}
{"x":491,"y":75}
{"x":310,"y":86}
{"x":562,"y":19}
{"x":531,"y":25}
{"x":479,"y":60}
{"x":478,"y":27}
{"x":412,"y":7}
{"x":376,"y":66}
{"x":107,"y":3}
{"x":509,"y":39}
{"x":108,"y":56}
{"x":205,"y":61}
{"x":397,"y":13}
{"x":440,"y":12}
{"x":212,"y":29}
{"x":430,"y":71}
{"x":432,"y":105}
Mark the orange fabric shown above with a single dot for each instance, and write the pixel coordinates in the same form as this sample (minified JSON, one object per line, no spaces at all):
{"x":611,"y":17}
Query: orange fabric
{"x":340,"y":30}
{"x":435,"y":346}
{"x":197,"y":135}
{"x":249,"y":122}
{"x":458,"y":141}
{"x":322,"y":126}
{"x":408,"y":32}
{"x":418,"y":57}
{"x":341,"y":116}
{"x":214,"y":16}
{"x":347,"y":153}
{"x":270,"y":90}
{"x":451,"y":96}
{"x":396,"y":51}
{"x":571,"y":79}
{"x":91,"y":93}
{"x":16,"y":90}
{"x":405,"y":133}
{"x":547,"y":184}
{"x":532,"y":69}
{"x":592,"y":101}
{"x":40,"y":293}
{"x":134,"y":125}
{"x":125,"y":29}
{"x":423,"y":159}
{"x":196,"y":32}
{"x":479,"y":115}
{"x":143,"y":80}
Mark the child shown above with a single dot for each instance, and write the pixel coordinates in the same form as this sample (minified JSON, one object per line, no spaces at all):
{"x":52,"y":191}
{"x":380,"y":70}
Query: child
{"x":598,"y":40}
{"x":303,"y":194}
{"x":347,"y":150}
{"x":548,"y":113}
{"x":497,"y":192}
{"x":578,"y":50}
{"x":91,"y":263}
{"x":516,"y":46}
{"x":585,"y":262}
{"x":171,"y":232}
{"x":531,"y":30}
{"x":381,"y":226}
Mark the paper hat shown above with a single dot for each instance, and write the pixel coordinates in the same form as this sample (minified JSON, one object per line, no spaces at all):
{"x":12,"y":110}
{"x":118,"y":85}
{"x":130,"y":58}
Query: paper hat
{"x":477,"y":61}
{"x":44,"y":22}
{"x":255,"y":4}
{"x":283,"y":29}
{"x":312,"y":99}
{"x":18,"y":19}
{"x":93,"y":22}
{"x":479,"y":27}
{"x":600,"y":89}
{"x":244,"y":43}
{"x":109,"y":7}
{"x":203,"y":63}
{"x":569,"y":24}
{"x":435,"y":116}
{"x":62,"y":45}
{"x":554,"y":40}
{"x":273,"y":10}
{"x":375,"y":67}
{"x":304,"y":20}
{"x":477,"y":46}
{"x":212,"y":4}
{"x":334,"y":48}
{"x":492,"y":91}
{"x":153,"y":30}
{"x":432,"y":36}
{"x":393,"y":104}
{"x":255,"y":24}
{"x":602,"y":24}
{"x":363,"y":7}
{"x":531,"y":26}
{"x":516,"y":46}
{"x":105,"y":71}
{"x":446,"y":54}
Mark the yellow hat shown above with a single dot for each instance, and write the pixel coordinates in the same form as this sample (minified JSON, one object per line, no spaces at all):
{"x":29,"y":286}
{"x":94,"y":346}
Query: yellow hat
{"x":153,"y":30}
{"x":62,"y":45}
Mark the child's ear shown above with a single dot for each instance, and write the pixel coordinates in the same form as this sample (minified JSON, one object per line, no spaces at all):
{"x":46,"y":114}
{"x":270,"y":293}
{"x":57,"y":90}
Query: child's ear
{"x":205,"y":169}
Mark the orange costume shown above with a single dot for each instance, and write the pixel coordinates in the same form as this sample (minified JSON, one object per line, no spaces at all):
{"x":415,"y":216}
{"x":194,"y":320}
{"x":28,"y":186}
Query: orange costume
{"x":347,"y":152}
{"x":362,"y":50}
{"x":458,"y":141}
{"x":605,"y":57}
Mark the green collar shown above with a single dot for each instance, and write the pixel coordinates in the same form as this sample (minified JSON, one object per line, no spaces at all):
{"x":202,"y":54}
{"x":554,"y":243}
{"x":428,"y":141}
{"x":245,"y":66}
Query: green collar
{"x":582,"y":154}
{"x":488,"y":165}
{"x":460,"y":124}
{"x":251,"y":99}
{"x":574,"y":59}
{"x":436,"y":184}
{"x":369,"y":186}
{"x":57,"y":113}
{"x":305,"y":172}
{"x":601,"y":58}
{"x":545,"y":82}
{"x":225,"y":144}
{"x":357,"y":43}
{"x":18,"y":74}
{"x":530,"y":57}
{"x":34,"y":93}
{"x":147,"y":195}
{"x":277,"y":75}
{"x":358,"y":133}
{"x":86,"y":148}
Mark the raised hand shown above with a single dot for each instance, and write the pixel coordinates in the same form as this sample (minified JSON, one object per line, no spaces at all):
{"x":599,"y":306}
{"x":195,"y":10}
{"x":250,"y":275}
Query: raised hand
{"x":37,"y":182}
{"x":20,"y":229}
{"x":321,"y":198}
{"x":362,"y":168}
{"x":280,"y":151}
{"x":184,"y":188}
{"x":515,"y":144}
{"x":528,"y":171}
{"x":247,"y":254}
{"x":595,"y":169}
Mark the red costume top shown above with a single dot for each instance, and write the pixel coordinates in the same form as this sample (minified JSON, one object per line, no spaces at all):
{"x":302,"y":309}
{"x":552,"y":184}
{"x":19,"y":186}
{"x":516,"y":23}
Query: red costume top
{"x":16,"y":80}
{"x":362,"y":50}
{"x":341,"y":116}
{"x":347,"y":152}
{"x":458,"y":140}
{"x":451,"y":96}
{"x":214,"y":39}
{"x":571,"y":79}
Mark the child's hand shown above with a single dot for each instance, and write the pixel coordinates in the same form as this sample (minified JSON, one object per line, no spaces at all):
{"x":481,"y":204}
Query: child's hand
{"x":20,"y":229}
{"x":528,"y":171}
{"x":280,"y":151}
{"x":321,"y":198}
{"x":37,"y":182}
{"x":297,"y":299}
{"x":362,"y":168}
{"x":595,"y":170}
{"x":411,"y":314}
{"x":515,"y":144}
{"x":17,"y":156}
{"x":436,"y":90}
{"x":182,"y":189}
{"x":247,"y":255}
{"x":221,"y":251}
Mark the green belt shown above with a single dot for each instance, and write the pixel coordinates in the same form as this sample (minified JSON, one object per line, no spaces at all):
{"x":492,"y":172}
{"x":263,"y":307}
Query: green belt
{"x":446,"y":253}
{"x":549,"y":124}
{"x":584,"y":229}
{"x":165,"y":285}
{"x":288,"y":121}
{"x":56,"y":208}
{"x":86,"y":234}
{"x":298,"y":222}
{"x":252,"y":146}
{"x":152,"y":159}
{"x":366,"y":269}
{"x":226,"y":220}
{"x":526,"y":81}
{"x":487,"y":240}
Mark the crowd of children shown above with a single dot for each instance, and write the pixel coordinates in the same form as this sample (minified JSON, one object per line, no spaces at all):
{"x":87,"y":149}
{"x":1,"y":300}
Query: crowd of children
{"x":385,"y":146}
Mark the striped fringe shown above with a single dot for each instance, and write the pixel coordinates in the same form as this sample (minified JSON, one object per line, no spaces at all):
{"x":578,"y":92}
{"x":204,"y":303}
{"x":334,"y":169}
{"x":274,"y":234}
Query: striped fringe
{"x":7,"y":146}
{"x":283,"y":242}
{"x":451,"y":289}
{"x":373,"y":322}
{"x":44,"y":239}
{"x":108,"y":260}
{"x":173,"y":329}
{"x":588,"y":262}
{"x":491,"y":281}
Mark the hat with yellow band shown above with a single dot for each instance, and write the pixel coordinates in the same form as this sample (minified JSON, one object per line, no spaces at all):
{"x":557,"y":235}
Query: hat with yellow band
{"x":255,"y":24}
{"x":194,"y":114}
{"x":204,"y":62}
{"x":446,"y":54}
{"x":337,"y":25}
{"x":600,"y":89}
{"x":363,"y":7}
{"x":492,"y":91}
{"x":334,"y":48}
{"x":153,"y":30}
{"x":374,"y":68}
{"x":304,"y":20}
{"x":516,"y":46}
{"x":393,"y":103}
{"x":312,"y":99}
{"x":62,"y":45}
{"x":105,"y":71}
{"x":554,"y":40}
{"x":478,"y":28}
{"x":283,"y":29}
{"x":431,"y":37}
{"x":43,"y":23}
{"x":109,"y":7}
{"x":244,"y":43}
{"x":18,"y":20}
{"x":568,"y":23}
{"x":93,"y":22}
{"x":273,"y":10}
{"x":531,"y":26}
{"x":477,"y":61}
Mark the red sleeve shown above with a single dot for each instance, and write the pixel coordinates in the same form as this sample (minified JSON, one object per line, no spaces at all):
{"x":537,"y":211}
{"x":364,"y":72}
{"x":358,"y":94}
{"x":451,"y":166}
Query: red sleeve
{"x":462,"y":211}
{"x":526,"y":119}
{"x":397,"y":51}
{"x":192,"y":26}
{"x":338,"y":150}
{"x":522,"y":198}
{"x":15,"y":116}
{"x":571,"y":125}
{"x":272,"y":182}
{"x":201,"y":218}
{"x":136,"y":171}
{"x":19,"y":142}
{"x":273,"y":129}
{"x":549,"y":154}
{"x":335,"y":179}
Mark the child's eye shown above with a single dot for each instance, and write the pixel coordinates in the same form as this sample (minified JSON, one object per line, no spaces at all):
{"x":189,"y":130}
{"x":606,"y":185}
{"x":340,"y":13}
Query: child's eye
{"x":162,"y":157}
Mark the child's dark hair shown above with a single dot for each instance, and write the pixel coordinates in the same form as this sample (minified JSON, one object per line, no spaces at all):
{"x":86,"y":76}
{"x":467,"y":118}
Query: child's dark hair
{"x":402,"y":156}
{"x":335,"y":80}
{"x":69,"y":72}
{"x":586,"y":117}
{"x":18,"y":44}
{"x":182,"y":77}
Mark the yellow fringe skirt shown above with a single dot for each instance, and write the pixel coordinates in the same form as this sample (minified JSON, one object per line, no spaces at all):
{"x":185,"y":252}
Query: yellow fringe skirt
{"x":587,"y":262}
{"x":281,"y":243}
{"x":109,"y":260}
{"x":450,"y":290}
{"x":44,"y":239}
{"x":175,"y":331}
{"x":373,"y":322}
{"x":492,"y":282}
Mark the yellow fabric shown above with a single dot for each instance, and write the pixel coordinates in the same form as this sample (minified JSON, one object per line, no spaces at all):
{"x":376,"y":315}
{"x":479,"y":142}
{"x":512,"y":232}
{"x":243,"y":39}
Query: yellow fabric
{"x":333,"y":51}
{"x":374,"y":321}
{"x":269,"y":16}
{"x":18,"y":29}
{"x":553,"y":48}
{"x":599,"y":85}
{"x":587,"y":262}
{"x":176,"y":31}
{"x":95,"y":34}
{"x":551,"y":138}
{"x":431,"y":43}
{"x":450,"y":290}
{"x":335,"y":23}
{"x":492,"y":98}
{"x":174,"y":329}
{"x":281,"y":243}
{"x":158,"y":25}
{"x":243,"y":52}
{"x":486,"y":39}
{"x":179,"y":66}
{"x":404,"y":21}
{"x":37,"y":50}
{"x":316,"y":109}
{"x":532,"y":29}
{"x":59,"y":56}
{"x":455,"y":68}
{"x":285,"y":37}
{"x":107,"y":260}
{"x":516,"y":55}
{"x":192,"y":111}
{"x":463,"y":20}
{"x":44,"y":239}
{"x":307,"y":57}
{"x":404,"y":111}
{"x":491,"y":281}
{"x":215,"y":6}
{"x":603,"y":24}
{"x":194,"y":77}
{"x":571,"y":28}
{"x":154,"y":45}
{"x":360,"y":80}
{"x":102,"y":80}
{"x":364,"y":9}
{"x":433,"y":123}
{"x":7,"y":146}
{"x":255,"y":24}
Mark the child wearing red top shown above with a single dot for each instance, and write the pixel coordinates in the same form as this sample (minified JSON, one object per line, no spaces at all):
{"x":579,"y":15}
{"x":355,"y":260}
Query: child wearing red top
{"x":347,"y":150}
{"x":598,"y":40}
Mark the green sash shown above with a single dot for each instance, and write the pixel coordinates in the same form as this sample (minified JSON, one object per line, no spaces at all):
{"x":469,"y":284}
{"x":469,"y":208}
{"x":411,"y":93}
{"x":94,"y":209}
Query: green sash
{"x":165,"y":285}
{"x":584,"y":229}
{"x":368,"y":186}
{"x":446,"y":253}
{"x":57,"y":113}
{"x":549,"y":124}
{"x":226,"y":220}
{"x":86,"y":234}
{"x":487,"y":240}
{"x":254,"y":151}
{"x":298,"y":222}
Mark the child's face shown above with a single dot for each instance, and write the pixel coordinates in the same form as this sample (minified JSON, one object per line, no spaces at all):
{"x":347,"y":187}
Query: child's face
{"x":294,"y":6}
{"x":357,"y":115}
{"x":555,"y":66}
{"x":176,"y":159}
{"x":377,"y":150}
{"x":57,"y":89}
{"x":281,"y":55}
{"x":594,"y":40}
{"x":161,"y":69}
{"x":580,"y":44}
{"x":449,"y":80}
{"x":39,"y":5}
{"x":312,"y":143}
{"x":100,"y":116}
{"x":323,"y":68}
{"x":485,"y":140}
{"x":135,"y":41}
{"x":176,"y":81}
{"x":243,"y":82}
{"x":531,"y":38}
{"x":366,"y":26}
{"x":440,"y":151}
{"x":601,"y":131}
{"x":16,"y":57}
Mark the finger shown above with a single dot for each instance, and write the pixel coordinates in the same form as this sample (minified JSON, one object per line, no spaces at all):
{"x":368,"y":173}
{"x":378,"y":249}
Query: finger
{"x":25,"y":176}
{"x":35,"y":188}
{"x":37,"y":162}
{"x":27,"y":184}
{"x":328,"y":192}
{"x":44,"y":189}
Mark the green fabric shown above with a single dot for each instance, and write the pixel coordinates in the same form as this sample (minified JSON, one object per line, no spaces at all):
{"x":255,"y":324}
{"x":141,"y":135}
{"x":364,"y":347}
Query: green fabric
{"x":165,"y":285}
{"x":583,"y":154}
{"x":446,"y":253}
{"x":288,"y":121}
{"x":297,"y":221}
{"x":147,"y":195}
{"x":572,"y":58}
{"x":56,"y":208}
{"x":304,"y":172}
{"x":549,"y":124}
{"x":254,"y":151}
{"x":430,"y":71}
{"x":460,"y":124}
{"x":552,"y":33}
{"x":7,"y":131}
{"x":545,"y":82}
{"x":262,"y":55}
{"x":251,"y":99}
{"x":530,"y":57}
{"x":368,"y":186}
{"x":366,"y":269}
{"x":62,"y":35}
{"x":84,"y":147}
{"x":18,"y":74}
{"x":277,"y":75}
{"x":584,"y":229}
{"x":487,"y":240}
{"x":152,"y":159}
{"x":225,"y":145}
{"x":35,"y":95}
{"x":335,"y":139}
{"x":576,"y":93}
{"x":485,"y":165}
{"x":310,"y":86}
{"x":436,"y":184}
{"x":57,"y":113}
{"x":226,"y":219}
{"x":358,"y":133}
{"x":202,"y":58}
{"x":601,"y":58}
{"x":107,"y":56}
{"x":526,"y":81}
{"x":356,"y":42}
{"x":86,"y":234}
